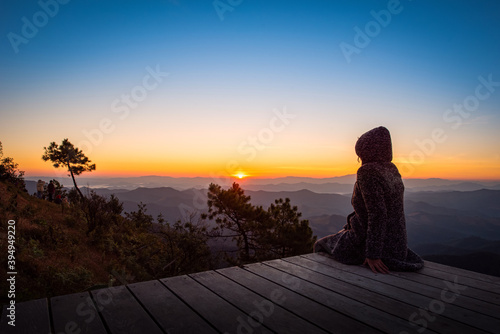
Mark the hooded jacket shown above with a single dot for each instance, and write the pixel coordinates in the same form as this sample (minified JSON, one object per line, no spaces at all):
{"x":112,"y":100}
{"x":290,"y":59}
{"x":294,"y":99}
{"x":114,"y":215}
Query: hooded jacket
{"x":377,"y":228}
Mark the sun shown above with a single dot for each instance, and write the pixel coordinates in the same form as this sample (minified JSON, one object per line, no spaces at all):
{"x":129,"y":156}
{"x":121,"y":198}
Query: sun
{"x":240,"y":175}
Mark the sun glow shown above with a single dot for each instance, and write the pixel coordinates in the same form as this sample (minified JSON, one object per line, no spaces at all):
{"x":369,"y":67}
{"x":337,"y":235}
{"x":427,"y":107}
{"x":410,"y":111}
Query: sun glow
{"x":240,"y":175}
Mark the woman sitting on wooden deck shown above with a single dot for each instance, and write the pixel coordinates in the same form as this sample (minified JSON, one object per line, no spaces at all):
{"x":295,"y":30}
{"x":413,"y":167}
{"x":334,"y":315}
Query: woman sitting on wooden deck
{"x":375,"y":233}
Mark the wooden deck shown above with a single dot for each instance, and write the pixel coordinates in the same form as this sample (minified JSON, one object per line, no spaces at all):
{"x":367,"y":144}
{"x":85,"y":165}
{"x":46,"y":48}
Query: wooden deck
{"x":303,"y":294}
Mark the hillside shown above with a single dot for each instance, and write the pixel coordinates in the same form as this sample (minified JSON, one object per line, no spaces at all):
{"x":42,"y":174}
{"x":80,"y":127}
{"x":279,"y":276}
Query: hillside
{"x":309,"y":203}
{"x":327,"y":224}
{"x":431,"y":216}
{"x":177,"y":204}
{"x":85,"y":245}
{"x":438,"y":223}
{"x":53,"y":254}
{"x":482,"y":202}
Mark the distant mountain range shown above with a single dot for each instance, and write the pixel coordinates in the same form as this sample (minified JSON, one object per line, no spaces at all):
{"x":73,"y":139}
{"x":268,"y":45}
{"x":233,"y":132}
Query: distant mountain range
{"x":432,"y":217}
{"x":340,"y":185}
{"x":463,"y":246}
{"x":457,"y":211}
{"x":479,"y":202}
{"x":441,"y":224}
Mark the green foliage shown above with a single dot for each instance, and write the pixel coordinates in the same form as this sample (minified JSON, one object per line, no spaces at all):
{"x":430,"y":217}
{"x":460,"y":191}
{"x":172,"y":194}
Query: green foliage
{"x":140,"y":217}
{"x":57,"y":280}
{"x":55,"y":254}
{"x":70,"y":221}
{"x":71,"y":277}
{"x":146,"y":250}
{"x":236,"y":218}
{"x":34,"y":248}
{"x":13,"y":203}
{"x":29,"y":211}
{"x":73,"y":196}
{"x":70,"y":157}
{"x":101,"y":213}
{"x":9,"y":171}
{"x":259,"y":234}
{"x":186,"y":246}
{"x":288,"y":235}
{"x":94,"y":243}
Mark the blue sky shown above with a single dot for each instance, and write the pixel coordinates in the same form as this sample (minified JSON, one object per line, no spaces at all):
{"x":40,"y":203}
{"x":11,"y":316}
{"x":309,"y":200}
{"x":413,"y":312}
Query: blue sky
{"x":225,"y":78}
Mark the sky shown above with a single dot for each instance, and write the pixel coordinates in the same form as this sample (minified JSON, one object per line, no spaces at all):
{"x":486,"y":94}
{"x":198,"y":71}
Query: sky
{"x":262,"y":88}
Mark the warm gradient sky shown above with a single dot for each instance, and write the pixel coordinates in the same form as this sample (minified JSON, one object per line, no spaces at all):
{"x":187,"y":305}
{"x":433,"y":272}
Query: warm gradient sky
{"x":230,"y":73}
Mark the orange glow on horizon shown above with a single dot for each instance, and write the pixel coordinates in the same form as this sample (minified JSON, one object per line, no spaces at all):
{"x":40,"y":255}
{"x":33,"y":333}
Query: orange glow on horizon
{"x":240,"y":175}
{"x":407,"y":172}
{"x":111,"y":166}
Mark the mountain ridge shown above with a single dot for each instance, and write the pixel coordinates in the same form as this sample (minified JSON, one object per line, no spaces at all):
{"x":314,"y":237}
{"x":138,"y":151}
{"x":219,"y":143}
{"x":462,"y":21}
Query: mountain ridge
{"x":435,"y":220}
{"x":338,"y":184}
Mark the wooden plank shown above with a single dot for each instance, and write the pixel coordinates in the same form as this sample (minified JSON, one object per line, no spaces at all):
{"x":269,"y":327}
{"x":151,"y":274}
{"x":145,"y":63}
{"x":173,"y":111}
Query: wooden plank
{"x":263,"y":310}
{"x":486,"y":302}
{"x":443,"y":289}
{"x":463,"y":272}
{"x":471,"y":282}
{"x":217,"y":311}
{"x":30,"y":317}
{"x":121,"y":312}
{"x":305,"y":294}
{"x":448,"y":310}
{"x":324,"y":317}
{"x":383,"y":321}
{"x":172,"y":314}
{"x":389,"y":305}
{"x":76,"y":313}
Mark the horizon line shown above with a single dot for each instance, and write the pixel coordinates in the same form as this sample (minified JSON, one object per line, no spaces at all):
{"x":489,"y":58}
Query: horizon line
{"x":256,"y":178}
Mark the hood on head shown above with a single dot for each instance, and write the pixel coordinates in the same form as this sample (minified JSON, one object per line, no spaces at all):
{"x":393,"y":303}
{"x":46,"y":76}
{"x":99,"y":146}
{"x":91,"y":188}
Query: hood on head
{"x":375,"y":146}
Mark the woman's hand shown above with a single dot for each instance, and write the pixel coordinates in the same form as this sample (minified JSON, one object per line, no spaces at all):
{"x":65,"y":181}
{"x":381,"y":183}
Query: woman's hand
{"x":377,"y":266}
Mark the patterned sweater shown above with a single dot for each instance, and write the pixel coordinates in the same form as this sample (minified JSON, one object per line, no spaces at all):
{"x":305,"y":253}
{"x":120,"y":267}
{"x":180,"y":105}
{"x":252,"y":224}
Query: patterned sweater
{"x":377,"y":228}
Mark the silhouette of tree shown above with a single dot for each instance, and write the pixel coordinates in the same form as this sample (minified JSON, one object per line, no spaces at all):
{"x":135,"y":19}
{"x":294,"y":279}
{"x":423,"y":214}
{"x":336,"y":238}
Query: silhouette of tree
{"x":288,"y":235}
{"x":69,"y":156}
{"x":185,"y":246}
{"x":101,"y":213}
{"x":140,"y":217}
{"x":236,"y":218}
{"x":9,"y":170}
{"x":259,"y":234}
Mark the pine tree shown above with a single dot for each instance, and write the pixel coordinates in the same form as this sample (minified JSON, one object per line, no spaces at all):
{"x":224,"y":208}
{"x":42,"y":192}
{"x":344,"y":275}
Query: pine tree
{"x":69,"y":156}
{"x":236,"y":218}
{"x":288,"y":235}
{"x":259,"y":234}
{"x":9,"y":170}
